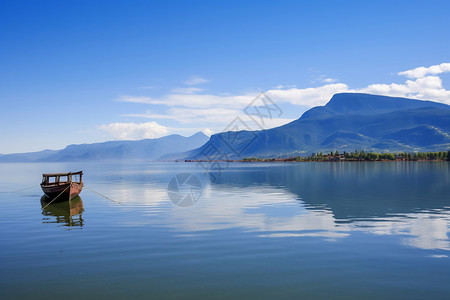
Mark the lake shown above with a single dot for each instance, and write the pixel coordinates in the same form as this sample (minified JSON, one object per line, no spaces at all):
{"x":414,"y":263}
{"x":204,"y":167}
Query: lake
{"x":346,"y":230}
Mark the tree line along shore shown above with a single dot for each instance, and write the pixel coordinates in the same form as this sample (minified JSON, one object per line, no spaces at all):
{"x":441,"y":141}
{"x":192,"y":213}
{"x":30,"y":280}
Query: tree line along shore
{"x":360,"y":156}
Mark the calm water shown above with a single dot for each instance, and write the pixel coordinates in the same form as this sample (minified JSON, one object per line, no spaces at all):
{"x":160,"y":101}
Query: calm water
{"x":259,"y":231}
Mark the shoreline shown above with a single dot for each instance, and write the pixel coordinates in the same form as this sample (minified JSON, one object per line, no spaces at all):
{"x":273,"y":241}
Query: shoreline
{"x":294,"y":161}
{"x":357,"y":156}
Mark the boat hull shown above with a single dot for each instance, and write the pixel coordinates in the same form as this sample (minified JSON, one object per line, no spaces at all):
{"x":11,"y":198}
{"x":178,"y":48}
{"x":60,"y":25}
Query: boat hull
{"x":68,"y":190}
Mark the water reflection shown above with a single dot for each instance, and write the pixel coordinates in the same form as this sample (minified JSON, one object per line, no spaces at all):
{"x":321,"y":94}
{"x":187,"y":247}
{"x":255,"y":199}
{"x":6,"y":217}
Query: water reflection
{"x":327,"y":201}
{"x":67,"y":213}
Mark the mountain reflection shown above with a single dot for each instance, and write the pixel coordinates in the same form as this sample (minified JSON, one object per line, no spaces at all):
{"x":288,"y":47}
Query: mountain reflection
{"x":330,"y":201}
{"x":271,"y":215}
{"x":67,"y":213}
{"x":410,"y":200}
{"x":354,"y":191}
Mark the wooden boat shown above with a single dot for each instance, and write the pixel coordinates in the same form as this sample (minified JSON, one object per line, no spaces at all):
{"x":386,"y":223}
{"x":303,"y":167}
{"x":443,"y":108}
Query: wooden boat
{"x":63,"y":186}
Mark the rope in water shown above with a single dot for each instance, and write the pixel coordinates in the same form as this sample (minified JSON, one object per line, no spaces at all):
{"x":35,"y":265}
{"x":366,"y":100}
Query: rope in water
{"x":106,"y":197}
{"x":56,"y":197}
{"x":27,"y":188}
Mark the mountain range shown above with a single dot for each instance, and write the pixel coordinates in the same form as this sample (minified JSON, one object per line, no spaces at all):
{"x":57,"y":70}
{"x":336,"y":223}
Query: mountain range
{"x":348,"y":122}
{"x":148,"y":149}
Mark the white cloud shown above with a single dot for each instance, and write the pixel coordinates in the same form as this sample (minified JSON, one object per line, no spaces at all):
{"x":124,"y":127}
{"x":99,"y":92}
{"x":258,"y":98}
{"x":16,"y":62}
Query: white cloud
{"x":305,"y":97}
{"x":215,"y":119}
{"x":216,"y":111}
{"x":193,"y":100}
{"x":281,"y":86}
{"x":135,"y":99}
{"x":308,"y":97}
{"x":426,"y":88}
{"x":191,"y":115}
{"x":323,"y":78}
{"x":423,"y":71}
{"x":195,"y":80}
{"x":218,"y":118}
{"x":135,"y":131}
{"x":188,"y":90}
{"x":422,"y":87}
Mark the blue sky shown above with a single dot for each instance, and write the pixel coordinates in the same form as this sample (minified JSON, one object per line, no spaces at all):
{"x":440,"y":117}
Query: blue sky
{"x":88,"y":71}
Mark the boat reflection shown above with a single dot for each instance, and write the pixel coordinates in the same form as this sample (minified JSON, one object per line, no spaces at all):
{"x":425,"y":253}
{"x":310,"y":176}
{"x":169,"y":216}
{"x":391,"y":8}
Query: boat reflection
{"x":67,"y":213}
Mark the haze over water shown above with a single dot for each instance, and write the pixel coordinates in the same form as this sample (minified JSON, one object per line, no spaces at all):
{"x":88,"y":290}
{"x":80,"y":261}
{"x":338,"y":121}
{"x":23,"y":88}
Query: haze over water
{"x":259,"y":231}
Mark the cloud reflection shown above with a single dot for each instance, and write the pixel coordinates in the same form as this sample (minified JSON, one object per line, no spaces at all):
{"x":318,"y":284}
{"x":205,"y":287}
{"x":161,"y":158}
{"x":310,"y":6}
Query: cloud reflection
{"x":278,"y":213}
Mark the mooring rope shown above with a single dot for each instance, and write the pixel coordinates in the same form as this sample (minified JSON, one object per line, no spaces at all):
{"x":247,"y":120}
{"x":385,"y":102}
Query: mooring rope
{"x":56,"y":197}
{"x":30,"y":187}
{"x":106,"y":197}
{"x":27,"y":188}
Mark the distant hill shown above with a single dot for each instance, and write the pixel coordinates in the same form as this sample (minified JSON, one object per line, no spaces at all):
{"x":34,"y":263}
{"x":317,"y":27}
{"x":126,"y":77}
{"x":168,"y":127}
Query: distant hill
{"x":26,"y":157}
{"x":148,"y":149}
{"x":347,"y":122}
